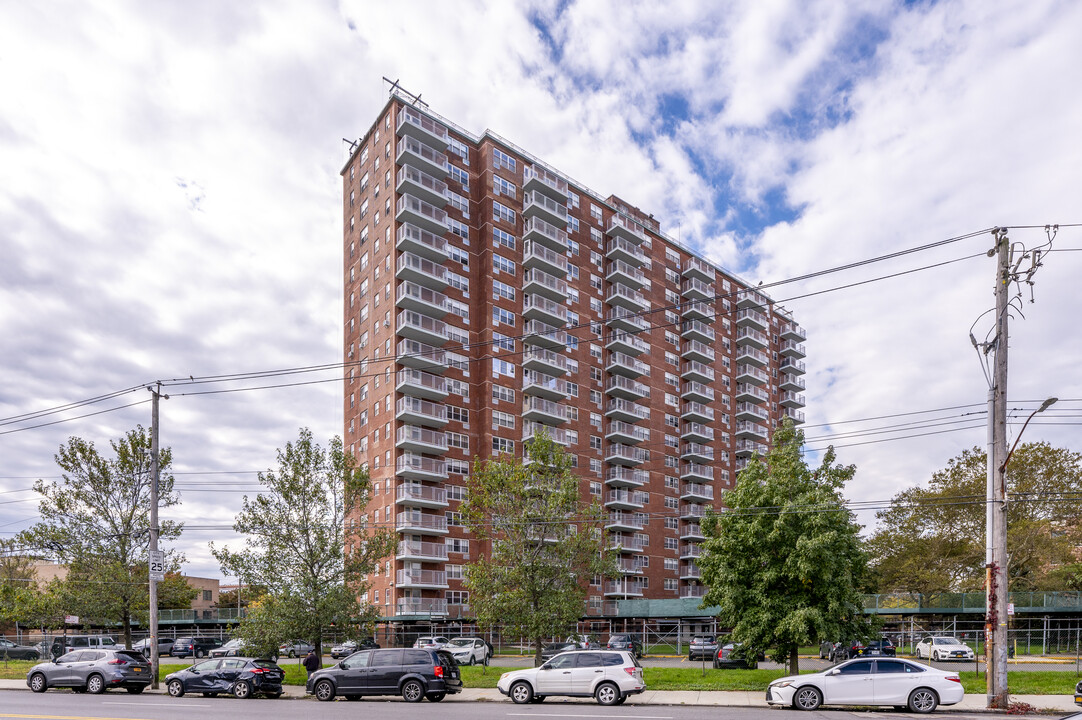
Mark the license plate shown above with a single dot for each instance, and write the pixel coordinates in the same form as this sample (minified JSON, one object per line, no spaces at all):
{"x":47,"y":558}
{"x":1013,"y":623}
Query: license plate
{"x":1078,"y":699}
{"x":138,"y":669}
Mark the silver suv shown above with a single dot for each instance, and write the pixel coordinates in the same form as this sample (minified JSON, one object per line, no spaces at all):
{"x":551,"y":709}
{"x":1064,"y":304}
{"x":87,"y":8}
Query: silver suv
{"x":608,"y":676}
{"x":92,"y":671}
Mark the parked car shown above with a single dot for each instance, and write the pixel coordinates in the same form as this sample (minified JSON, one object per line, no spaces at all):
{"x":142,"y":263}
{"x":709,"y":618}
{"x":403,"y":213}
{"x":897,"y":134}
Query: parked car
{"x":703,"y":647}
{"x":64,"y":644}
{"x":431,"y":642}
{"x":296,"y":648}
{"x":943,"y":647}
{"x":826,"y":649}
{"x":468,"y":650}
{"x":347,"y":648}
{"x":232,"y":648}
{"x":584,"y":642}
{"x":730,"y":656}
{"x":870,"y":681}
{"x":143,"y":646}
{"x":845,"y":650}
{"x":413,"y":673}
{"x":876,"y":648}
{"x":243,"y":677}
{"x":608,"y":676}
{"x":196,"y":647}
{"x":92,"y":671}
{"x":553,"y":649}
{"x":625,"y":642}
{"x":12,"y":651}
{"x":1078,"y":694}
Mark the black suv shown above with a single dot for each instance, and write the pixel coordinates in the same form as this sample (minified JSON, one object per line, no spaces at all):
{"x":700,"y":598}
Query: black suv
{"x":196,"y":647}
{"x":413,"y":673}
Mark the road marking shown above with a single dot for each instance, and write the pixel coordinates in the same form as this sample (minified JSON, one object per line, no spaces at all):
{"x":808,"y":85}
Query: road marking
{"x":170,"y":705}
{"x":63,"y":717}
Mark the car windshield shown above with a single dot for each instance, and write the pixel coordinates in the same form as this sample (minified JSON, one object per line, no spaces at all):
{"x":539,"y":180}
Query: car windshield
{"x":945,"y":641}
{"x":424,"y":640}
{"x":232,"y":644}
{"x":462,"y":642}
{"x":264,"y":664}
{"x":703,"y":640}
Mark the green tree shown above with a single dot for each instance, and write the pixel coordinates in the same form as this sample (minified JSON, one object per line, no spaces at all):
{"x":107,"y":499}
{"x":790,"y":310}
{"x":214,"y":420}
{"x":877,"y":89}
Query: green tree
{"x":17,"y":581}
{"x":96,"y":520}
{"x":544,"y":543}
{"x":931,"y":538}
{"x":246,"y":596}
{"x":296,"y":546}
{"x":784,"y":564}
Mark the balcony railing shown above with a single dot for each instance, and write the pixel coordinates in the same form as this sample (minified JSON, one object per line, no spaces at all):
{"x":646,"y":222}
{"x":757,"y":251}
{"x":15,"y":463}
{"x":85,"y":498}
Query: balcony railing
{"x":537,"y":358}
{"x":619,"y":248}
{"x":422,"y":299}
{"x":625,"y":228}
{"x":411,"y":122}
{"x":751,"y":336}
{"x":421,"y":270}
{"x":426,"y":244}
{"x":620,"y":476}
{"x":421,"y":468}
{"x":626,"y":410}
{"x":413,"y":151}
{"x":697,"y":411}
{"x":626,"y":388}
{"x":414,"y":181}
{"x":751,"y":317}
{"x":539,"y":281}
{"x":694,"y":267}
{"x":751,"y":393}
{"x":406,"y":521}
{"x":536,"y":255}
{"x":751,"y":299}
{"x":625,"y":319}
{"x":697,"y":431}
{"x":422,"y":550}
{"x":420,"y":439}
{"x":535,"y":177}
{"x":696,"y":330}
{"x":424,"y":495}
{"x":416,"y":354}
{"x":422,"y":578}
{"x":421,"y":606}
{"x":423,"y":412}
{"x":626,"y":454}
{"x":535,"y":203}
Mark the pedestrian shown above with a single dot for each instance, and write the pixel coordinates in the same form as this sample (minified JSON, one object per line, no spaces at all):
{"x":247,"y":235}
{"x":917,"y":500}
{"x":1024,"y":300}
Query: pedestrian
{"x":311,"y":662}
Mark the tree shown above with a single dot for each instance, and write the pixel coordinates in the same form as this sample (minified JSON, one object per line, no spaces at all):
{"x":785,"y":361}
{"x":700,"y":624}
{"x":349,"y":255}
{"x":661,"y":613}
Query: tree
{"x":96,"y":521}
{"x":931,"y":539}
{"x":296,"y":547}
{"x":245,"y":595}
{"x":16,"y":580}
{"x":784,"y":564}
{"x":545,"y":543}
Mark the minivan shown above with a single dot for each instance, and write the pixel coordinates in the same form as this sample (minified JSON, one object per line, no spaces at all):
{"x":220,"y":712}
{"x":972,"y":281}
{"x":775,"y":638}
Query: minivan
{"x":413,"y":673}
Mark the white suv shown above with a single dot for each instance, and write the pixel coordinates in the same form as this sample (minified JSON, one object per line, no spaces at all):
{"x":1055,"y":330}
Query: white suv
{"x":608,"y":676}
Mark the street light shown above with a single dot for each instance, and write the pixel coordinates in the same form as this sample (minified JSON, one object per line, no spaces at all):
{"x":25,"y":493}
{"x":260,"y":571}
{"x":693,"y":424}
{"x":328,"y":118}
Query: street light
{"x":1044,"y":406}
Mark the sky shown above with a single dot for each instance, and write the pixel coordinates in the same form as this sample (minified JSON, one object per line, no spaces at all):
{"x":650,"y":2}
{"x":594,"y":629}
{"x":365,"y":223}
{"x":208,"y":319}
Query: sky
{"x":170,"y":204}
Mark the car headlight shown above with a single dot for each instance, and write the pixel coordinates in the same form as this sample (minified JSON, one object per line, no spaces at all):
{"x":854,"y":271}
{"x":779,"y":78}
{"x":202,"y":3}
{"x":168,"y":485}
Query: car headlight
{"x":784,"y":683}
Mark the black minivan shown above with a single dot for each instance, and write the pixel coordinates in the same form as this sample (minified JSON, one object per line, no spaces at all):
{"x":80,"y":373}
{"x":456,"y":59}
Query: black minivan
{"x":413,"y":673}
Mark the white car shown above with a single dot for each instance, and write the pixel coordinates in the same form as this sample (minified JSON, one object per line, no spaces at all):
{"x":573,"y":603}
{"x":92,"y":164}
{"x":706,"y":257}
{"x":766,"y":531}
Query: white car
{"x":943,"y":647}
{"x":432,"y":643}
{"x":878,"y":681}
{"x":468,"y":650}
{"x":608,"y":676}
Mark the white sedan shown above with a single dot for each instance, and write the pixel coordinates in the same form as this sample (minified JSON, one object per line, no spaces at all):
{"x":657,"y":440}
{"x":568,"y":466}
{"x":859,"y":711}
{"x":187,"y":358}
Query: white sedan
{"x":879,"y":681}
{"x":943,"y":647}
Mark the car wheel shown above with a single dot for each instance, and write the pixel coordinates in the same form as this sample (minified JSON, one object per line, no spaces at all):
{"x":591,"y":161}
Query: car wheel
{"x":412,"y":691}
{"x":607,"y":694}
{"x":199,"y":654}
{"x":95,"y":684}
{"x":292,"y":653}
{"x":436,"y":697}
{"x":521,"y":693}
{"x":136,"y":690}
{"x":242,"y":689}
{"x":690,"y":658}
{"x":38,"y":684}
{"x":935,"y":656}
{"x":923,"y":700}
{"x":175,"y":688}
{"x":33,"y":656}
{"x":324,"y":690}
{"x":807,"y":698}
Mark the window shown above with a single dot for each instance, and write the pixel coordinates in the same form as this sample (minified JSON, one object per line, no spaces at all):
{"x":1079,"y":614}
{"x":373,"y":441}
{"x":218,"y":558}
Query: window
{"x":503,"y":341}
{"x":457,"y":467}
{"x":500,"y":315}
{"x":457,"y":387}
{"x":456,"y":492}
{"x":672,"y":256}
{"x":460,"y":229}
{"x":672,"y":421}
{"x":459,"y":203}
{"x":453,"y":518}
{"x":458,"y":414}
{"x":595,"y":305}
{"x":595,"y":281}
{"x":502,"y":445}
{"x":458,"y":308}
{"x":595,"y":397}
{"x":459,"y":149}
{"x":672,"y":276}
{"x":457,"y":545}
{"x":595,"y":466}
{"x":500,"y":237}
{"x":459,"y":255}
{"x":461,"y":176}
{"x":457,"y":440}
{"x":671,"y":379}
{"x":670,"y":583}
{"x":454,"y":572}
{"x":595,"y":212}
{"x":502,"y":187}
{"x":502,"y":367}
{"x":459,"y":282}
{"x":595,"y":487}
{"x":671,"y":503}
{"x":595,"y":442}
{"x":500,"y":159}
{"x":671,"y":297}
{"x":500,"y":263}
{"x":670,"y":523}
{"x":502,"y":394}
{"x":502,"y":290}
{"x":502,"y":212}
{"x":670,"y":563}
{"x":670,"y":543}
{"x":502,"y":419}
{"x":671,"y":337}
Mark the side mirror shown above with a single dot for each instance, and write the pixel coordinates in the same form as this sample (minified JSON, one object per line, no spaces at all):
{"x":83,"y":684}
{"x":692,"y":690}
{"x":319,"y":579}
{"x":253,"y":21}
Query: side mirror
{"x":832,"y":672}
{"x":343,"y":665}
{"x":546,"y":666}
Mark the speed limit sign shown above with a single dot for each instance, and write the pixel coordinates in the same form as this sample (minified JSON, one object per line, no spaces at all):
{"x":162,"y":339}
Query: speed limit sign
{"x":157,"y":565}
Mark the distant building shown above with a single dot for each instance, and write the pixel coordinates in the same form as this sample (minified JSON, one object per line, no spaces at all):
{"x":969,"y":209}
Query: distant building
{"x":207,"y":588}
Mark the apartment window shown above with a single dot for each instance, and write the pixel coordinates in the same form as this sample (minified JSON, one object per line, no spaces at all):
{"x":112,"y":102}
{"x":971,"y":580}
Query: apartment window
{"x":457,"y":545}
{"x":671,"y":358}
{"x":457,"y":440}
{"x":672,"y":421}
{"x":595,"y":374}
{"x":500,"y":263}
{"x":672,"y":256}
{"x":669,"y":583}
{"x":502,"y":419}
{"x":595,"y":487}
{"x":595,"y":281}
{"x":502,"y":290}
{"x":502,"y":187}
{"x":595,"y":442}
{"x":572,"y":199}
{"x":500,"y":315}
{"x":502,"y":394}
{"x":457,"y":467}
{"x":460,"y":309}
{"x":670,"y":564}
{"x":454,"y":572}
{"x":573,"y":388}
{"x":460,"y":229}
{"x":503,"y":342}
{"x":670,"y":543}
{"x":459,"y":149}
{"x":671,"y":337}
{"x":595,"y":351}
{"x":502,"y":445}
{"x":672,"y":441}
{"x":459,"y":203}
{"x":458,"y":414}
{"x":455,"y":492}
{"x":595,"y":466}
{"x":454,"y":518}
{"x":672,"y":276}
{"x":500,"y":159}
{"x":461,"y":176}
{"x":671,"y":318}
{"x":457,"y":387}
{"x":458,"y":255}
{"x":595,"y":235}
{"x":671,"y":462}
{"x":671,"y":503}
{"x":500,"y":237}
{"x":458,"y":362}
{"x":574,"y":223}
{"x":595,"y":397}
{"x":672,"y":297}
{"x":671,"y":379}
{"x":595,"y":420}
{"x":459,"y":282}
{"x":595,"y":212}
{"x":502,"y":367}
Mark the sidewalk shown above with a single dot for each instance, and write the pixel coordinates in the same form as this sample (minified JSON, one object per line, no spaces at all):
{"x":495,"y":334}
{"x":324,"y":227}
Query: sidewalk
{"x":971,"y":703}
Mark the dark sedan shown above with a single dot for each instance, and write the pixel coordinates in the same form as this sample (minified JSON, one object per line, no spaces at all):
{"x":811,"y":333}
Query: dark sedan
{"x":731,"y":656}
{"x":553,"y":649}
{"x":243,"y":677}
{"x":11,"y":651}
{"x":879,"y":648}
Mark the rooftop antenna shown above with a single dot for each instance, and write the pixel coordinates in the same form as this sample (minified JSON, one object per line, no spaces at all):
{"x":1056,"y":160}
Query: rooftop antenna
{"x":397,"y":89}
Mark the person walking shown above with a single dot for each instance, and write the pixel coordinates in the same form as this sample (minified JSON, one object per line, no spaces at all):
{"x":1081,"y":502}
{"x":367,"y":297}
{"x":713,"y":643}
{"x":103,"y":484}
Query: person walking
{"x":312,"y":662}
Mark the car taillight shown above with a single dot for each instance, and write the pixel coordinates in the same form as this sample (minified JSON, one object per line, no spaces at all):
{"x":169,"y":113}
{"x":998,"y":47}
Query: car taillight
{"x":630,"y":671}
{"x":955,"y":678}
{"x":118,"y":661}
{"x":258,"y":671}
{"x":438,"y":671}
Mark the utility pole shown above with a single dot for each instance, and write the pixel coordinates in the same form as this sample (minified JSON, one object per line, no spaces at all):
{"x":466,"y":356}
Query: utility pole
{"x":156,"y":564}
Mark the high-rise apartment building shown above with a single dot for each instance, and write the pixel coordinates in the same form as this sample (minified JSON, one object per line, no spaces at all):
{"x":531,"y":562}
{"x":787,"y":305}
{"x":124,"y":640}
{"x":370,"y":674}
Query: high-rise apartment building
{"x":488,"y":296}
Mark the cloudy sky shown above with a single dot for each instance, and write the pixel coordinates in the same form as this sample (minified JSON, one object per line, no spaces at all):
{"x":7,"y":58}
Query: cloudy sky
{"x":170,"y":202}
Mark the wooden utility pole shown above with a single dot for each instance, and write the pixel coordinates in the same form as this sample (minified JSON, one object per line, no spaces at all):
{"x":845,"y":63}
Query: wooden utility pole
{"x":156,"y":566}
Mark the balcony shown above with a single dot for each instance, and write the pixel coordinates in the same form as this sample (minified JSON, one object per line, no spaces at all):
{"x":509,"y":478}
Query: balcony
{"x":697,"y":452}
{"x":625,"y":388}
{"x":618,"y":454}
{"x":531,"y":430}
{"x":623,"y":521}
{"x":538,"y":409}
{"x":414,"y":467}
{"x":421,"y":270}
{"x":746,"y":429}
{"x":432,"y":579}
{"x":544,"y":385}
{"x":416,"y":411}
{"x":419,"y":383}
{"x":624,"y":588}
{"x":689,"y":552}
{"x":626,"y":477}
{"x":412,"y":181}
{"x":697,"y":371}
{"x":626,"y":410}
{"x":621,"y":319}
{"x":414,"y":521}
{"x":793,"y":383}
{"x":622,"y":432}
{"x":751,"y":318}
{"x":416,"y":211}
{"x":622,"y":272}
{"x":541,"y":283}
{"x":621,"y":499}
{"x":630,"y":566}
{"x":620,"y":249}
{"x":535,"y":255}
{"x":544,"y":335}
{"x":535,"y":204}
{"x":626,"y":343}
{"x":423,"y":157}
{"x":697,"y":412}
{"x":546,"y":361}
{"x":697,"y":492}
{"x":537,"y":179}
{"x":420,"y":440}
{"x":425,"y":496}
{"x":625,"y":543}
{"x":792,"y":366}
{"x":790,"y":348}
{"x":695,"y":350}
{"x":750,"y":374}
{"x":620,"y":364}
{"x":693,"y":289}
{"x":414,"y":325}
{"x":746,"y":392}
{"x":752,"y":299}
{"x":748,"y":354}
{"x":698,"y":269}
{"x":692,"y":592}
{"x":751,"y":336}
{"x":792,"y":399}
{"x":413,"y":123}
{"x":797,"y":416}
{"x":535,"y":229}
{"x":792,"y":331}
{"x":625,"y":297}
{"x":698,"y":331}
{"x":412,"y":296}
{"x":751,"y":411}
{"x":414,"y":354}
{"x":691,"y":531}
{"x":692,"y":511}
{"x":697,"y":392}
{"x":688,"y":571}
{"x":696,"y":472}
{"x":536,"y":307}
{"x":740,"y":463}
{"x":698,"y":310}
{"x":421,"y":606}
{"x":697,"y":432}
{"x":422,"y":242}
{"x":423,"y":551}
{"x":747,"y":448}
{"x":623,"y":227}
